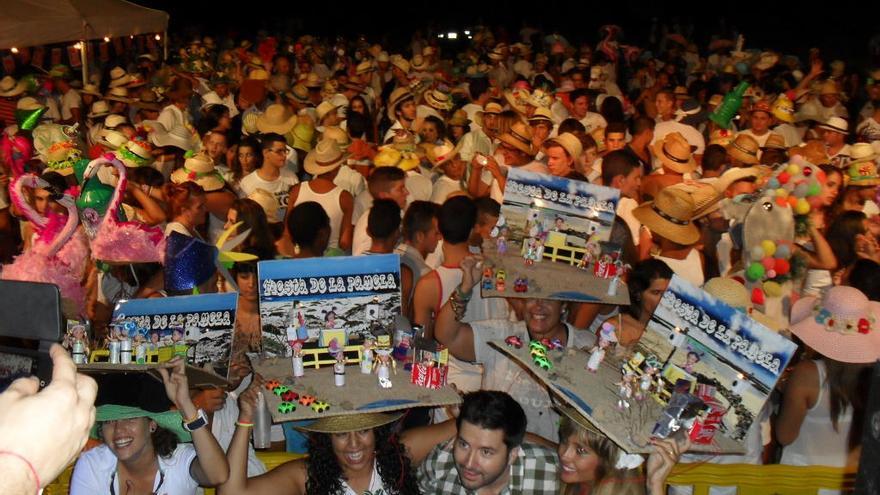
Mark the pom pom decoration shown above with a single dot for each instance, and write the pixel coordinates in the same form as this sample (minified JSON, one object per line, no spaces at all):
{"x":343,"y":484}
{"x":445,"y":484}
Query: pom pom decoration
{"x":771,"y":273}
{"x":814,"y":188}
{"x":769,"y":247}
{"x":800,"y":190}
{"x":783,"y":177}
{"x":793,"y":169}
{"x":782,"y":251}
{"x":757,"y":296}
{"x":773,"y":183}
{"x":755,"y":271}
{"x":772,"y":289}
{"x":768,"y":263}
{"x":757,"y":253}
{"x":802,"y":207}
{"x":782,"y":193}
{"x":781,"y":266}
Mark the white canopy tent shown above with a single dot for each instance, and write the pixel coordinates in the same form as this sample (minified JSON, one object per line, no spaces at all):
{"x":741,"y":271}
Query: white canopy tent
{"x":25,"y":23}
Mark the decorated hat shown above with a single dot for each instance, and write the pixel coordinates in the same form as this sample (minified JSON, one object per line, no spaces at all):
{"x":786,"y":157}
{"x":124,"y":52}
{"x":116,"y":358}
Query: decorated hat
{"x":199,"y":168}
{"x":744,"y":148}
{"x":135,"y":153}
{"x":722,"y":137}
{"x":517,"y":99}
{"x":842,"y":325}
{"x":326,"y":157}
{"x":783,"y":109}
{"x":671,"y":216}
{"x":520,"y":137}
{"x":62,"y":156}
{"x":111,"y":139}
{"x":443,"y":152}
{"x":863,"y":173}
{"x":277,"y":118}
{"x":735,"y":294}
{"x":674,"y":152}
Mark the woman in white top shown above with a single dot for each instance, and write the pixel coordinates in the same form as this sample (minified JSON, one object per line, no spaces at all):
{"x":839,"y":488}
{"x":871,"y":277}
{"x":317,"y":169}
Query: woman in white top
{"x":142,"y":452}
{"x":824,"y":398}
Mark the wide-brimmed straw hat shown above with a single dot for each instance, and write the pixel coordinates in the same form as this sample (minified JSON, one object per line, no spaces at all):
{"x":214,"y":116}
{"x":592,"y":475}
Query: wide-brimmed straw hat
{"x":9,"y":87}
{"x":774,"y":142}
{"x":438,"y":99}
{"x":178,"y":136}
{"x":517,"y":99}
{"x":312,"y":81}
{"x":118,"y":77}
{"x":443,"y":152}
{"x":520,"y":137}
{"x":337,"y":134}
{"x":169,"y":420}
{"x":326,"y":157}
{"x":118,"y":93}
{"x":835,"y":124}
{"x":298,"y":93}
{"x":491,"y":108}
{"x":843,"y":325}
{"x":200,"y":170}
{"x":541,"y":114}
{"x":100,"y":108}
{"x":277,"y":118}
{"x":111,"y":139}
{"x":351,"y":422}
{"x":397,"y":97}
{"x":744,"y":148}
{"x":674,"y":152}
{"x":324,"y":109}
{"x":862,"y":170}
{"x":671,"y":216}
{"x":569,"y":142}
{"x":90,"y":89}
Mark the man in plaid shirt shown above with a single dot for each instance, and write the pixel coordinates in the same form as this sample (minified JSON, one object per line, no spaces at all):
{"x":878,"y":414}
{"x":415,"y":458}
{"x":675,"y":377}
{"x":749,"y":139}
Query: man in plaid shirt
{"x":488,"y":455}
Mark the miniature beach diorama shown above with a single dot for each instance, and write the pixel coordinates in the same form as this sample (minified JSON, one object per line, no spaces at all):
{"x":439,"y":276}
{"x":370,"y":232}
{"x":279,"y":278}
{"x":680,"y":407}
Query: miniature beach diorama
{"x":552,"y":242}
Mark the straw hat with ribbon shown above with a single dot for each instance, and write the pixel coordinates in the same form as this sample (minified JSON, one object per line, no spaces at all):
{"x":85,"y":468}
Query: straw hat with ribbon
{"x":326,"y":157}
{"x":118,"y":77}
{"x":541,"y":114}
{"x":674,"y":152}
{"x":100,"y":108}
{"x":842,"y":325}
{"x":491,"y":108}
{"x":442,"y":153}
{"x":199,"y":168}
{"x":277,"y":118}
{"x":324,"y":109}
{"x":118,"y":94}
{"x":438,"y":99}
{"x":135,"y":153}
{"x":298,"y":93}
{"x":520,"y":137}
{"x":774,"y":142}
{"x":419,"y":63}
{"x":397,"y":97}
{"x":670,"y":215}
{"x":744,"y":148}
{"x":90,"y":89}
{"x":111,"y":139}
{"x":351,"y":422}
{"x":459,"y":119}
{"x":337,"y":134}
{"x":9,"y":87}
{"x":835,"y":124}
{"x":517,"y":99}
{"x":267,"y":202}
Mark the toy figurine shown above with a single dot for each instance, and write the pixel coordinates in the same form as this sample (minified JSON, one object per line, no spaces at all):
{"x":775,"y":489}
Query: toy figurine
{"x":302,"y":331}
{"x":78,"y":343}
{"x":646,"y":382}
{"x":625,"y":390}
{"x":385,"y":364}
{"x":539,"y":250}
{"x":597,"y":355}
{"x":501,"y":241}
{"x":297,"y":360}
{"x":367,"y":359}
{"x":339,"y":369}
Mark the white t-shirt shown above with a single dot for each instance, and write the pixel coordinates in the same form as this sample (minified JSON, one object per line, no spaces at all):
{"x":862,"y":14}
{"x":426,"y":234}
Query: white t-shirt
{"x":96,"y":468}
{"x":503,"y":373}
{"x":70,"y":100}
{"x":690,"y":133}
{"x":350,"y":180}
{"x":419,"y":187}
{"x":593,"y":121}
{"x":280,"y":188}
{"x":361,"y":240}
{"x":443,"y":188}
{"x":362,"y":203}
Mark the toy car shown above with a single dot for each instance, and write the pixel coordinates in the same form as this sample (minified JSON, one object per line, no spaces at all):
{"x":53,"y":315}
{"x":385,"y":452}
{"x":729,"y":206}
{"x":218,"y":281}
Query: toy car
{"x":271,"y":384}
{"x":280,"y":390}
{"x":543,"y":363}
{"x":514,"y":341}
{"x":286,"y":407}
{"x":536,"y":344}
{"x":500,"y":285}
{"x":487,"y":284}
{"x":538,"y":351}
{"x":521,"y":285}
{"x":500,"y":275}
{"x":552,"y":344}
{"x":307,"y":400}
{"x":320,"y":406}
{"x":290,"y":396}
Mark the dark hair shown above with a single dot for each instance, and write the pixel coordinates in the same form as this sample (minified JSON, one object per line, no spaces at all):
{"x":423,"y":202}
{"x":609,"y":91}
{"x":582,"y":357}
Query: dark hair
{"x":574,"y":95}
{"x":457,"y":218}
{"x":392,"y":463}
{"x":487,"y":207}
{"x":615,"y":127}
{"x":714,"y":158}
{"x":640,"y":279}
{"x":771,"y":156}
{"x":211,"y":116}
{"x":266,"y":140}
{"x":478,"y":86}
{"x":842,"y":234}
{"x":641,"y":124}
{"x":419,"y":218}
{"x":617,"y":163}
{"x":383,"y":220}
{"x":438,"y":123}
{"x":383,"y":178}
{"x":253,"y":217}
{"x":571,"y":125}
{"x":235,"y":166}
{"x":358,"y":125}
{"x":494,"y":410}
{"x":612,"y":109}
{"x":305,"y":222}
{"x":865,"y":276}
{"x":148,"y":176}
{"x":179,"y":196}
{"x":57,"y":184}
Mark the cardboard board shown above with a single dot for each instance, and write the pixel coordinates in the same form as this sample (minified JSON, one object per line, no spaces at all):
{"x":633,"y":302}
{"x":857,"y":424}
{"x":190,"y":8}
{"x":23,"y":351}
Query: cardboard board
{"x":198,"y":377}
{"x":595,"y":396}
{"x":361,"y":392}
{"x":353,"y":295}
{"x":201,"y":326}
{"x":551,"y":242}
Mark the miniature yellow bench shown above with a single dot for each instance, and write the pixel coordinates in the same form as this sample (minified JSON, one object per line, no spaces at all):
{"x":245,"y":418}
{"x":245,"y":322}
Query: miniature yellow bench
{"x":771,"y":479}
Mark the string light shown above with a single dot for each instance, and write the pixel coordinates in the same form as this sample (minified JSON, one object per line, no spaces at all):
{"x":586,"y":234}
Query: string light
{"x":14,"y":50}
{"x":106,"y":39}
{"x":78,"y":46}
{"x":158,"y":37}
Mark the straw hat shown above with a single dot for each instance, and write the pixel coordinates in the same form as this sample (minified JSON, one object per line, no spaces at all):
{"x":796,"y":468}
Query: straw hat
{"x":199,"y":169}
{"x":312,"y":81}
{"x":863,"y":173}
{"x":721,"y":137}
{"x":276,"y":119}
{"x":147,"y":99}
{"x":843,"y":325}
{"x":135,"y":153}
{"x":735,"y":294}
{"x":364,"y":67}
{"x":323,"y":109}
{"x":303,"y":133}
{"x":744,"y":148}
{"x":459,"y":119}
{"x":419,"y":63}
{"x":444,"y":152}
{"x":783,"y":109}
{"x":113,"y":121}
{"x":136,"y":81}
{"x":210,"y":98}
{"x":397,"y":97}
{"x":111,"y":139}
{"x":438,"y":99}
{"x":90,"y":89}
{"x":774,"y":142}
{"x":326,"y":157}
{"x":298,"y":93}
{"x":517,"y":99}
{"x":100,"y":108}
{"x":540,"y":99}
{"x":813,"y":151}
{"x":338,"y":135}
{"x":829,"y":87}
{"x":169,"y":420}
{"x":491,"y":108}
{"x":28,"y":103}
{"x":861,"y":152}
{"x":541,"y":114}
{"x":835,"y":124}
{"x":569,"y":142}
{"x":178,"y":136}
{"x":670,"y":215}
{"x":351,"y":422}
{"x":9,"y":87}
{"x":520,"y":137}
{"x":766,"y":60}
{"x":401,"y":63}
{"x":267,"y":202}
{"x":675,"y":153}
{"x":118,"y":94}
{"x":118,"y":77}
{"x":258,"y":75}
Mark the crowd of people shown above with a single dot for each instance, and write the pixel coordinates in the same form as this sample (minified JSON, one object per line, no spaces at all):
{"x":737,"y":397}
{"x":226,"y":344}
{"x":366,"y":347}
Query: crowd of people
{"x":319,"y":148}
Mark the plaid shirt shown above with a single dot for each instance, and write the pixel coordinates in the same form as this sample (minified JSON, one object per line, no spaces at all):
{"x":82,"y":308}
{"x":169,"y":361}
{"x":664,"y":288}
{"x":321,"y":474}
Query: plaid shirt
{"x":532,"y":472}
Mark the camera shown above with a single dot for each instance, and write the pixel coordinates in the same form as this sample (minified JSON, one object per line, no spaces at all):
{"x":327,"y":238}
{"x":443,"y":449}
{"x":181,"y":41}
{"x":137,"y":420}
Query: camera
{"x":482,"y":160}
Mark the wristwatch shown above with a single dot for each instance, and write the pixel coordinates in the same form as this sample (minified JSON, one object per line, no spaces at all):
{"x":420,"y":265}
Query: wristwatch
{"x":200,"y":421}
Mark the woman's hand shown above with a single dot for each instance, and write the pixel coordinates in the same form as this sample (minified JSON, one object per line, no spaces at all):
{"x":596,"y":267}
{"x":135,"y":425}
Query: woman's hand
{"x":667,"y":452}
{"x":177,"y":384}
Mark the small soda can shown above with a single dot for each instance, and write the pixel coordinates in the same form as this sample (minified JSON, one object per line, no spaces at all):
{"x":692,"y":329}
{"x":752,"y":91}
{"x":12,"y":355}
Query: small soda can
{"x":125,"y":351}
{"x":140,"y":356}
{"x":114,"y":351}
{"x":79,"y":352}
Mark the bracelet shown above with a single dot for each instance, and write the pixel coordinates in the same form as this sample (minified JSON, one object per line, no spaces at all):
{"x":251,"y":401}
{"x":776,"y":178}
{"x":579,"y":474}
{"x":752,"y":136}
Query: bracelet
{"x":28,"y":463}
{"x":459,"y":305}
{"x":244,"y":425}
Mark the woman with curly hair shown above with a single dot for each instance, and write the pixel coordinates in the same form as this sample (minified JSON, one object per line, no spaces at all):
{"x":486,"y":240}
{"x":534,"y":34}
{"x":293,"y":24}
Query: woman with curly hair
{"x":348,"y":455}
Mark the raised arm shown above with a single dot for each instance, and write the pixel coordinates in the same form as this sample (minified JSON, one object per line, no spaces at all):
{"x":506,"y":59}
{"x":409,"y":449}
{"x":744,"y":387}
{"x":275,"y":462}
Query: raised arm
{"x":458,"y":337}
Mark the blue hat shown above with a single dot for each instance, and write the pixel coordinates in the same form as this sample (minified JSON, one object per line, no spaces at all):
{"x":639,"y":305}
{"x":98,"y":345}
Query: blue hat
{"x":189,"y":262}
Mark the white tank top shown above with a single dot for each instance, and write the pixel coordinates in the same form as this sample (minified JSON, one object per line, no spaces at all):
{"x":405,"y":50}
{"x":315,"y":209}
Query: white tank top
{"x":330,"y":202}
{"x":690,"y":268}
{"x":817,"y":443}
{"x":466,"y":376}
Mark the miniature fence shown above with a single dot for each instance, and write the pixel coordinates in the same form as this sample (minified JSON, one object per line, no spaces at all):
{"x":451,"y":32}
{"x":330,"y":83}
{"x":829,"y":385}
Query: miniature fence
{"x":315,"y":358}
